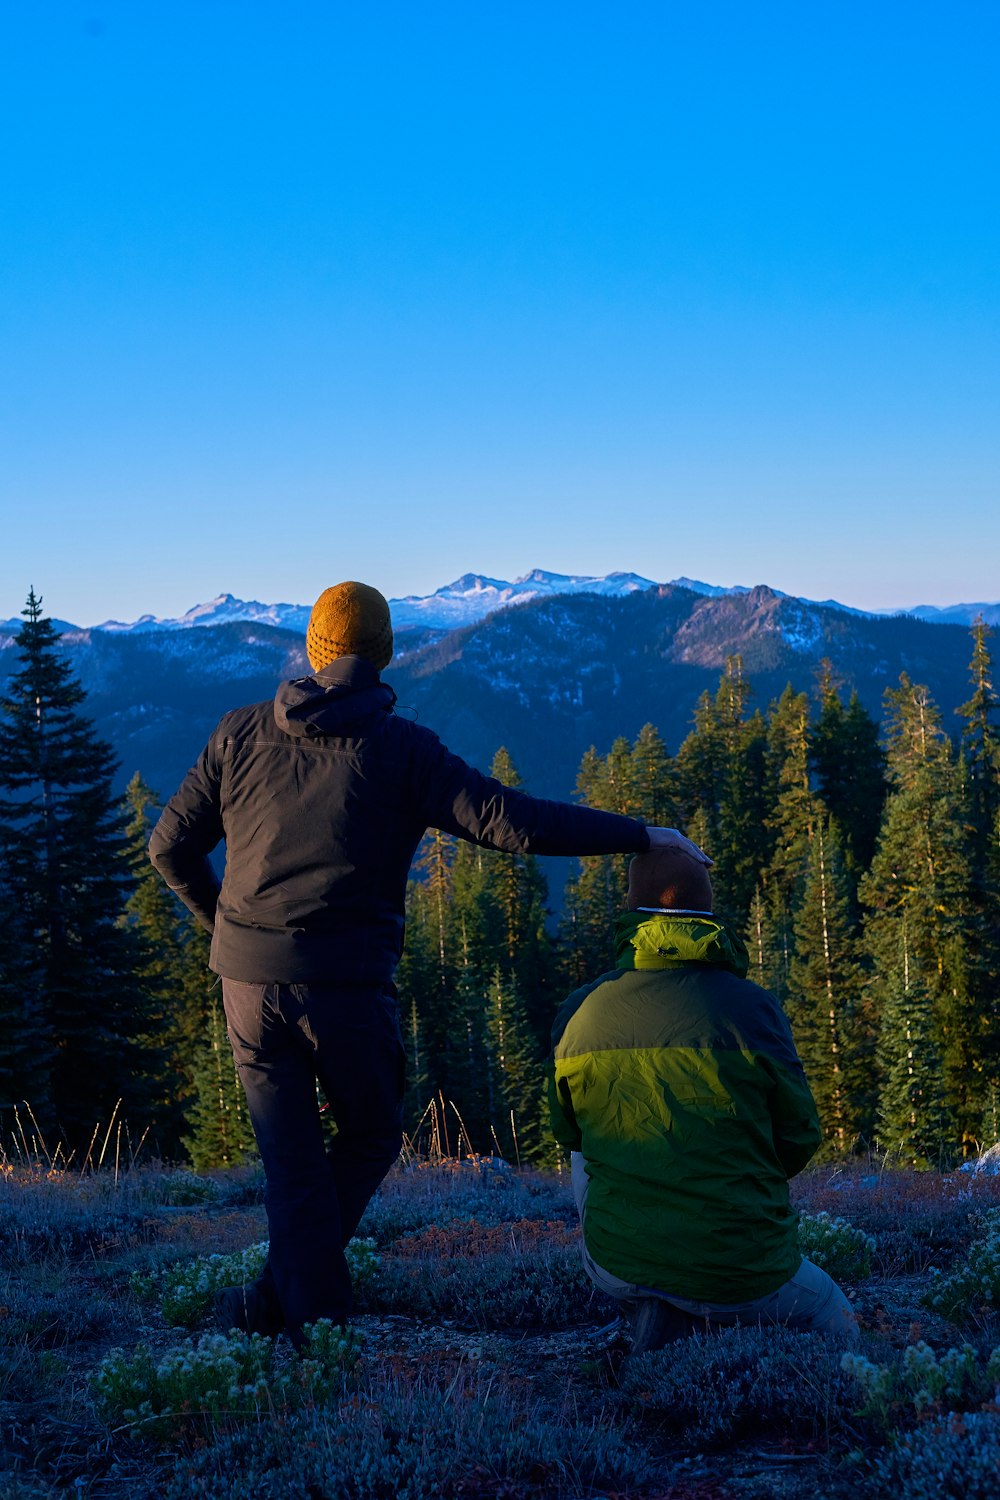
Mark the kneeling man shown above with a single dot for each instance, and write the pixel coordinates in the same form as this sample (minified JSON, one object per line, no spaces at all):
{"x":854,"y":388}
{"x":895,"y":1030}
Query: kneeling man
{"x":677,"y":1088}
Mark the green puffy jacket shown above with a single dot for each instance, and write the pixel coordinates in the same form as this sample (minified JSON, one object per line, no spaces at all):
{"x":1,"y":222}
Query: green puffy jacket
{"x":679,"y":1082}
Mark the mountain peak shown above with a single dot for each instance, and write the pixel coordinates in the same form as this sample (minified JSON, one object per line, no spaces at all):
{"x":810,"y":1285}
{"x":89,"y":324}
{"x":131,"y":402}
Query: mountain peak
{"x":469,"y":583}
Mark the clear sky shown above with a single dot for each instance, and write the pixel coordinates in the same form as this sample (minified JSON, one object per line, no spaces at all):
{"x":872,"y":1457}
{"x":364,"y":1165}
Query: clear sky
{"x":395,"y":291}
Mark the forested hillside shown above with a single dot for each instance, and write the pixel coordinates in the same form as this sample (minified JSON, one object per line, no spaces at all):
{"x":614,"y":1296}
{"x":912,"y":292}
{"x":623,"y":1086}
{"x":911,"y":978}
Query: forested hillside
{"x":547,"y":679}
{"x":862,"y":870}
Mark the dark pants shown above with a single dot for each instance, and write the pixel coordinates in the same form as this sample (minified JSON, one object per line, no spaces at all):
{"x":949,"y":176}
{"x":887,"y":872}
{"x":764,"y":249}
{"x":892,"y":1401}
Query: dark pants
{"x":286,"y":1038}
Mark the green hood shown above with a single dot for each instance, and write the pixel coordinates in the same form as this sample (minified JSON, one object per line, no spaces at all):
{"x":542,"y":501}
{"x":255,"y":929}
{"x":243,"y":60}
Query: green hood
{"x":662,"y":940}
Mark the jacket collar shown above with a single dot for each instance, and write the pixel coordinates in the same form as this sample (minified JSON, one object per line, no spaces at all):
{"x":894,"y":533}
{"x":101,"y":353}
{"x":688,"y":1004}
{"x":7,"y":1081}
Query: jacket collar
{"x":667,"y":939}
{"x":334,"y":701}
{"x":350,"y":672}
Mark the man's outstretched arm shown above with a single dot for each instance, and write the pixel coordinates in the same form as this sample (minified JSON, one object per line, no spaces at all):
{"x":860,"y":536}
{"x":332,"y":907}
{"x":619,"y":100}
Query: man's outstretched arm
{"x":458,"y":799}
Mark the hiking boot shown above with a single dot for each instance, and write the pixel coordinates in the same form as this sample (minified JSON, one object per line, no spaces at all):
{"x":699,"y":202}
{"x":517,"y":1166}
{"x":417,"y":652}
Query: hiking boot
{"x":248,"y":1309}
{"x":656,"y":1323}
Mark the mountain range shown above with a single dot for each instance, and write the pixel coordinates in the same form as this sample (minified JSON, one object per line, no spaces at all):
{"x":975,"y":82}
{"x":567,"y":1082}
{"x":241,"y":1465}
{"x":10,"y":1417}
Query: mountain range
{"x":577,"y":662}
{"x":474,"y":596}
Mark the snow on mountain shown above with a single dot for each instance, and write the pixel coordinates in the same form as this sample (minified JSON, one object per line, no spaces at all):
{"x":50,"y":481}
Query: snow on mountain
{"x":957,"y":614}
{"x":473,"y":596}
{"x":710,"y":590}
{"x":221,"y":611}
{"x":10,"y":628}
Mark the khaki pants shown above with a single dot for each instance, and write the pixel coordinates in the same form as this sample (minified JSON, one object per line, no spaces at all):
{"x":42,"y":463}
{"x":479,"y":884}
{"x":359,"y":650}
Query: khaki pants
{"x":810,"y":1301}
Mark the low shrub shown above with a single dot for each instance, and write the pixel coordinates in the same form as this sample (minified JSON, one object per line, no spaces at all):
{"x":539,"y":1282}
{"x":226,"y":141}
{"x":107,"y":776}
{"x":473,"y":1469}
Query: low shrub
{"x":479,"y":1436}
{"x":959,"y":1379}
{"x":187,"y":1288}
{"x":535,"y":1288}
{"x":48,"y":1315}
{"x":956,"y":1459}
{"x":64,"y":1215}
{"x":834,"y":1245}
{"x":183,"y":1189}
{"x":918,"y":1219}
{"x":18,"y":1486}
{"x":480,"y":1188}
{"x":961,"y":1293}
{"x":469,"y":1239}
{"x":242,"y":1187}
{"x":219,"y":1378}
{"x":741,"y":1381}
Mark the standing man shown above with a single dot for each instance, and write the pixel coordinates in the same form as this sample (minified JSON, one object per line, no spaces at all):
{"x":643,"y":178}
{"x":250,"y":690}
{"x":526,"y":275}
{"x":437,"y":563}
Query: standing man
{"x":322,"y":797}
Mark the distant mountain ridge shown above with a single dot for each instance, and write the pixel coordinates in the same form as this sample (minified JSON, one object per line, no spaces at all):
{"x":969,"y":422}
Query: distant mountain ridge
{"x":474,"y":596}
{"x":548,"y":678}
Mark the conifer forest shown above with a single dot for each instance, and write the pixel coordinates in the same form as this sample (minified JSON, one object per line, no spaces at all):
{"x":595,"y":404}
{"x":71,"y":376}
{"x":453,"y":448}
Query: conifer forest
{"x":859,"y":861}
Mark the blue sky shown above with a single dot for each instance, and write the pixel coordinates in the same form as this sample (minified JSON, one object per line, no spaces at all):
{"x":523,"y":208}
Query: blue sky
{"x":396,"y":291}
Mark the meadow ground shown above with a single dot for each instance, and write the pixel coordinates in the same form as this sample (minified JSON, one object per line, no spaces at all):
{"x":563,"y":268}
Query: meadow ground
{"x":482,"y":1364}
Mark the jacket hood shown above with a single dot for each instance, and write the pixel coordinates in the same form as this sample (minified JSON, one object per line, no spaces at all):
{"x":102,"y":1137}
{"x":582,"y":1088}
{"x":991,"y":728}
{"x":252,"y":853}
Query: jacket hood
{"x":663,"y":940}
{"x":333,"y":701}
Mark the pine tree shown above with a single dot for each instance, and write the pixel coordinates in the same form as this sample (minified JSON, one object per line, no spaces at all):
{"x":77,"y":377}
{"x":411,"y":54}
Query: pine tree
{"x":756,"y":939}
{"x":515,"y":890}
{"x":159,"y":926}
{"x":919,"y":879}
{"x":429,"y":999}
{"x":65,"y":868}
{"x":981,"y":748}
{"x":654,"y":780}
{"x":981,"y":799}
{"x":26,"y":1044}
{"x":704,"y":759}
{"x":914,"y":1121}
{"x":469,"y":1074}
{"x":795,"y":817}
{"x":849,"y":765}
{"x":597,"y":893}
{"x":720,"y":770}
{"x":515,"y":1074}
{"x":220,"y":1133}
{"x":825,"y":984}
{"x":418,"y":986}
{"x":770,"y":942}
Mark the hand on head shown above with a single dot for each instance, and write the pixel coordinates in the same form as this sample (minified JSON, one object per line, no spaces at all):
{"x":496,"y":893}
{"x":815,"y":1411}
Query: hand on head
{"x":672,"y":838}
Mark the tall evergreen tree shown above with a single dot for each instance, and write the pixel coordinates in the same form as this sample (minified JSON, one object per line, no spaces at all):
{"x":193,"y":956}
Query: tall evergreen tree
{"x":654,"y":780}
{"x":419,"y":985}
{"x":720,"y":770}
{"x":825,"y":994}
{"x":65,"y":867}
{"x":160,"y":927}
{"x":796,"y":813}
{"x":920,"y":879}
{"x":704,"y":758}
{"x":981,"y":766}
{"x":515,"y":1075}
{"x":219,"y":1129}
{"x":429,"y":1000}
{"x":515,"y":892}
{"x":26,"y":1043}
{"x":849,"y":765}
{"x":477,"y":948}
{"x":915,"y":1123}
{"x":596,"y":894}
{"x":981,"y":748}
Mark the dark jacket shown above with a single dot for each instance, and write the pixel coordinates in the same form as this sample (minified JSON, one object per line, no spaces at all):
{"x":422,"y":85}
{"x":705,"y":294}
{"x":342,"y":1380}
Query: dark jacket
{"x":322,"y":798}
{"x":678,"y":1080}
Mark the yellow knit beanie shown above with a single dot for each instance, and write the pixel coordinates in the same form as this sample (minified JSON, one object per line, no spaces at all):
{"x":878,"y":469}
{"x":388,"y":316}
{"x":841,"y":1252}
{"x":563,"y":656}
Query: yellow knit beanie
{"x":349,"y":619}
